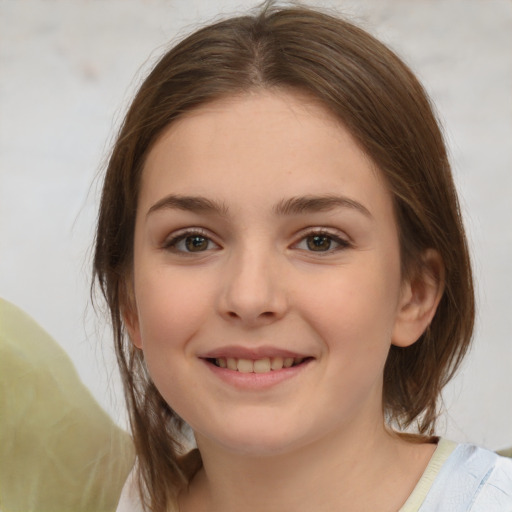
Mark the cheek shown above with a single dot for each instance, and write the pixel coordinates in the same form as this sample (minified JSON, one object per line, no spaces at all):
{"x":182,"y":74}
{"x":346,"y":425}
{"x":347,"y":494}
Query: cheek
{"x":355,"y":308}
{"x":171,"y":307}
{"x":171,"y":310}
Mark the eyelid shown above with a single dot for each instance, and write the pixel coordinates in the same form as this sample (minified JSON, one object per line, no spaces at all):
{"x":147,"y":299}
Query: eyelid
{"x":336,"y":235}
{"x":175,"y":237}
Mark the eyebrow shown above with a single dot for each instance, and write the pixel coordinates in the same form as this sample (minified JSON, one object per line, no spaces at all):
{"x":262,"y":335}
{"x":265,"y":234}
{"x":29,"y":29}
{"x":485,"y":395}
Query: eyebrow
{"x":311,"y":204}
{"x":292,"y":206}
{"x":195,"y":204}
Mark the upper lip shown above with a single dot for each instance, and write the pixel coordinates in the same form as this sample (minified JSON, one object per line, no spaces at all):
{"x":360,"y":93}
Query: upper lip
{"x":254,"y":353}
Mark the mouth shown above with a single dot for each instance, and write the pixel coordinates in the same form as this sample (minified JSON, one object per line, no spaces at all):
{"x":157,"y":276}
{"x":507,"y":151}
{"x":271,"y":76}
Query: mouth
{"x":262,"y":365}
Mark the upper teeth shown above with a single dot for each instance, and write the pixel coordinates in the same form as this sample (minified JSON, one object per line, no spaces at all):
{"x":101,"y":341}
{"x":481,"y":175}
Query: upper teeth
{"x":263,"y":365}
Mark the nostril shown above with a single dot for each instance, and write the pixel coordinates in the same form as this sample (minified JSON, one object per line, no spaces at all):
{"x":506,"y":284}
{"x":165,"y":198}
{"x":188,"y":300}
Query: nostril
{"x":264,"y":315}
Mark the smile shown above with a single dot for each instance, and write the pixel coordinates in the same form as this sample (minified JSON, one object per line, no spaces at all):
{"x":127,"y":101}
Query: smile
{"x":263,"y":365}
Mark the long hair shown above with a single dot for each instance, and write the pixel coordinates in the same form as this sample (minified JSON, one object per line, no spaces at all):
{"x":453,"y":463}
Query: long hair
{"x":379,"y":100}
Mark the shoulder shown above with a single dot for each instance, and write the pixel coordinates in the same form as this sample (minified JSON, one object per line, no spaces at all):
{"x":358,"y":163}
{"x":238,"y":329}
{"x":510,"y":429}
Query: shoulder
{"x":472,"y":479}
{"x":129,"y":500}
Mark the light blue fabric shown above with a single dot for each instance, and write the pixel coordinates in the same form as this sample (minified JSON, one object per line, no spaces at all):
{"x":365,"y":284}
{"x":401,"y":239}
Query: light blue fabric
{"x":472,"y":479}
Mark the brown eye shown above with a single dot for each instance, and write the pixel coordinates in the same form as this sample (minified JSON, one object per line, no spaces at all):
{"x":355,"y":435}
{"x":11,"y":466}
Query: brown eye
{"x":190,"y":242}
{"x":322,"y":242}
{"x":196,"y":243}
{"x":319,"y":243}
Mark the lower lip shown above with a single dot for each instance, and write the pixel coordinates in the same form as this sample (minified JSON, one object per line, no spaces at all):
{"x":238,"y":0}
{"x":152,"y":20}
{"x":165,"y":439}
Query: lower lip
{"x":257,"y":381}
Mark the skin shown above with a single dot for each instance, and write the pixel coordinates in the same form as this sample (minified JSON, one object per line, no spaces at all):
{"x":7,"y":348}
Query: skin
{"x":258,"y":280}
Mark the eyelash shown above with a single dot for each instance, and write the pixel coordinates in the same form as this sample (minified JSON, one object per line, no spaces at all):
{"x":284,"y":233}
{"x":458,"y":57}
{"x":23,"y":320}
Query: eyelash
{"x":341,"y":243}
{"x":172,"y":243}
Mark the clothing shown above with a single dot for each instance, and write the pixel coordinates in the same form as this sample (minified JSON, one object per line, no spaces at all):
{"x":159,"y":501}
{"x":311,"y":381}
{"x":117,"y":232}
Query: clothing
{"x":463,"y":478}
{"x":59,"y":451}
{"x":458,"y":478}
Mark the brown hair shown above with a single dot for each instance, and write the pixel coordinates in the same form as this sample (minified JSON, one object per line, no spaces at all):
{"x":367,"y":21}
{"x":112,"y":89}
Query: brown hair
{"x":383,"y":105}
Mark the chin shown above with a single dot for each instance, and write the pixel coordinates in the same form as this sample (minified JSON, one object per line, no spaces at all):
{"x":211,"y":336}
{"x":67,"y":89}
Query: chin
{"x":256,"y":440}
{"x":260,"y":447}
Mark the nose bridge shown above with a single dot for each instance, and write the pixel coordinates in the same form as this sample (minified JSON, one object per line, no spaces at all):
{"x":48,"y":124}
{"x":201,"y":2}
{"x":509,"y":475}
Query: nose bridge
{"x":253,"y":291}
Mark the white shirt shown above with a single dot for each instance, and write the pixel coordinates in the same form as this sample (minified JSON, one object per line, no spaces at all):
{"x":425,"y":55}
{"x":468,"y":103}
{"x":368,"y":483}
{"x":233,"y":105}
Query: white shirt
{"x":463,"y":478}
{"x":458,"y":478}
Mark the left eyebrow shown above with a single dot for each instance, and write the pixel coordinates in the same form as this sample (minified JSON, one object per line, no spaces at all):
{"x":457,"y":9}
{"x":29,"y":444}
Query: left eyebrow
{"x":311,"y":204}
{"x":196,"y":204}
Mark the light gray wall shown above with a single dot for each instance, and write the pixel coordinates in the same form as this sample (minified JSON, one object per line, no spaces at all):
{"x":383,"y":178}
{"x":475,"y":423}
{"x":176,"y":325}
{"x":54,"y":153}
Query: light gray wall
{"x":67,"y":71}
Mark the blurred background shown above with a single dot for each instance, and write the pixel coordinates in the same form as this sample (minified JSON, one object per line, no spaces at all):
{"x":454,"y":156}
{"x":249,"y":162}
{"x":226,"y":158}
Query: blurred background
{"x":67,"y":72}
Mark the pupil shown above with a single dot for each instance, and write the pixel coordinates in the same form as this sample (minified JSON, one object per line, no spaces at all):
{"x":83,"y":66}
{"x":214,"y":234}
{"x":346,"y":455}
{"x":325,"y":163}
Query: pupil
{"x":196,"y":243}
{"x":319,"y":243}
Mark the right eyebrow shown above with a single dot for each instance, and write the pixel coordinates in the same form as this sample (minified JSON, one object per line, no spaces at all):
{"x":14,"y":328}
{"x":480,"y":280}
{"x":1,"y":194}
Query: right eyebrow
{"x":310,"y":204}
{"x":195,"y":204}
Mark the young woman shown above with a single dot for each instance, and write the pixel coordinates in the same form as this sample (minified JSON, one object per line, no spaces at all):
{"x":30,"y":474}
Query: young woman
{"x":281,"y":249}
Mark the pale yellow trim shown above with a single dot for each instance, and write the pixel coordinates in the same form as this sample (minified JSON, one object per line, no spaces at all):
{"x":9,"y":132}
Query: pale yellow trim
{"x":439,"y":457}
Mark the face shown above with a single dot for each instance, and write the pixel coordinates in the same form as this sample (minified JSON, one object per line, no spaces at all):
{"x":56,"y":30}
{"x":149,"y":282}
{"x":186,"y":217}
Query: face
{"x":266,"y":275}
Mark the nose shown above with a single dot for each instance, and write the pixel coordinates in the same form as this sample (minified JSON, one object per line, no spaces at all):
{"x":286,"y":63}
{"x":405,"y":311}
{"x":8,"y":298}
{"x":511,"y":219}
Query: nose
{"x":253,"y":292}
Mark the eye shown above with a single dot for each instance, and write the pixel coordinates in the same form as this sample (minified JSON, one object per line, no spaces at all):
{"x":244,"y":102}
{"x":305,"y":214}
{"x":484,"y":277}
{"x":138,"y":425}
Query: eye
{"x":190,"y":242}
{"x":321,"y":242}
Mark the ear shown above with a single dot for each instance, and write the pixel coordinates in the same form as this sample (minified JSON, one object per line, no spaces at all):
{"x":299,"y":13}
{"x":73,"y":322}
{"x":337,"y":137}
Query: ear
{"x":419,"y":299}
{"x":130,"y":314}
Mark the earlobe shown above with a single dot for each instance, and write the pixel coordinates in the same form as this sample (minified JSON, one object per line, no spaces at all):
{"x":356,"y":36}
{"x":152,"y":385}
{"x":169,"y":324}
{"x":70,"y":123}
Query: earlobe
{"x":419,"y":300}
{"x":131,"y":321}
{"x":130,"y":316}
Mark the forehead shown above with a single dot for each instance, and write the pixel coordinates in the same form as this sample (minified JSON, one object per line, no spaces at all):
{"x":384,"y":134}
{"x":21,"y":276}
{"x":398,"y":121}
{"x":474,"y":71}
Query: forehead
{"x":262,"y":145}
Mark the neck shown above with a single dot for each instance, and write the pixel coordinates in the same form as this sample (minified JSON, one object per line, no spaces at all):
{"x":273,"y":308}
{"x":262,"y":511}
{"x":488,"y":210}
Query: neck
{"x":370,"y":469}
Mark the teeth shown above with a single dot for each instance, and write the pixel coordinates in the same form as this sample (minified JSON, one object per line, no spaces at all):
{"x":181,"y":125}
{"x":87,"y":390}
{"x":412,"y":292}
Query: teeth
{"x":264,"y":365}
{"x":277,"y":363}
{"x":288,"y":362}
{"x":245,"y":366}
